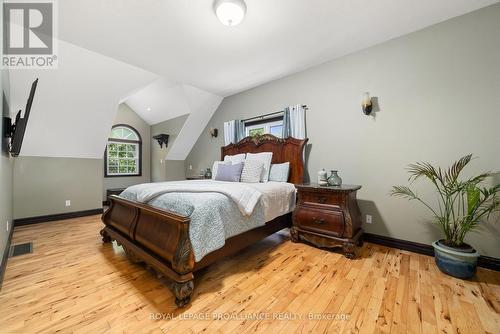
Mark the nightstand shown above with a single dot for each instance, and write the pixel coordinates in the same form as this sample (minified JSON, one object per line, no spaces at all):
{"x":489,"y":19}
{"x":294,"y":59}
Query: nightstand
{"x":328,"y":217}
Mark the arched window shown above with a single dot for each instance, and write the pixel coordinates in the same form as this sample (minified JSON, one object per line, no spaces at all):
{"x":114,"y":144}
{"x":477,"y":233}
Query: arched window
{"x":123,"y":156}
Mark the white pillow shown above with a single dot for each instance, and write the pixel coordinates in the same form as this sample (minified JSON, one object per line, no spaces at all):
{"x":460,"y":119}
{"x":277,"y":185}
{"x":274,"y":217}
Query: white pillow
{"x":252,"y":171}
{"x":235,"y":159}
{"x":279,"y":172}
{"x":266,"y":158}
{"x":215,"y":166}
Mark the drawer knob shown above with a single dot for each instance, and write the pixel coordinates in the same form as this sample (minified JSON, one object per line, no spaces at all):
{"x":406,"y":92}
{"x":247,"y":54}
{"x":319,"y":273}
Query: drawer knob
{"x":322,"y":199}
{"x":318,"y":220}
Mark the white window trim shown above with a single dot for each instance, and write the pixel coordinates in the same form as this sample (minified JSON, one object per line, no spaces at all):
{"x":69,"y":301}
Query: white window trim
{"x":266,"y":126}
{"x":136,"y":158}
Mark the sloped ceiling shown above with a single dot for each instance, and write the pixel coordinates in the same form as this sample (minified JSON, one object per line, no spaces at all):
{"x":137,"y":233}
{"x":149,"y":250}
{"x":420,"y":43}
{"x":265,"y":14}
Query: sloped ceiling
{"x":75,"y":105}
{"x":184,"y":41}
{"x":176,"y":58}
{"x":164,"y":100}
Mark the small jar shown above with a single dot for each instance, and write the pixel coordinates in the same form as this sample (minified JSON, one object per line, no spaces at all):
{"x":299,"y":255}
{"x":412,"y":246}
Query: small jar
{"x":322,"y":177}
{"x":208,"y":174}
{"x":334,"y":179}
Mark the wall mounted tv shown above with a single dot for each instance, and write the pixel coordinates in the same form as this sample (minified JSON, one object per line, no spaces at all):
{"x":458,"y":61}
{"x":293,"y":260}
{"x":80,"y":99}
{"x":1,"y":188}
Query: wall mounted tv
{"x":15,"y":131}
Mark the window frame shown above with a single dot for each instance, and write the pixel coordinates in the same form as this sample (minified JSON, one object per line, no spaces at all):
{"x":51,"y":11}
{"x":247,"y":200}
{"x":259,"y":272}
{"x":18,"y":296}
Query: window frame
{"x":124,"y":141}
{"x":270,"y":121}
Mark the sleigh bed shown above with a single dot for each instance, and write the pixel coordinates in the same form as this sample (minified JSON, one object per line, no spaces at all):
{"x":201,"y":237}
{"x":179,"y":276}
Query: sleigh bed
{"x":161,"y":239}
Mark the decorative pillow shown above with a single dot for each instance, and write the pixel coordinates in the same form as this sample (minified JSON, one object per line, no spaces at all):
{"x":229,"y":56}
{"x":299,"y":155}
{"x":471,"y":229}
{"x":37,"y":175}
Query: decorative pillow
{"x":234,"y":159}
{"x":215,"y":167}
{"x":230,"y":173}
{"x":252,"y":171}
{"x":279,"y":172}
{"x":266,"y":158}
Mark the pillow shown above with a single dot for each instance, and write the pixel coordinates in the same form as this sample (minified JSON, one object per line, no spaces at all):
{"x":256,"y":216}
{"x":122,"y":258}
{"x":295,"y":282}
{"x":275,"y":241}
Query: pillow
{"x":266,"y":158}
{"x":252,"y":171}
{"x":234,"y":159}
{"x":215,"y":167}
{"x":230,"y":173}
{"x":279,"y":172}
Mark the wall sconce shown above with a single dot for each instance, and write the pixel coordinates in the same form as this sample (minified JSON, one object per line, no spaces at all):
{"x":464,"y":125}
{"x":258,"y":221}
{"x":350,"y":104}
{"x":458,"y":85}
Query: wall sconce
{"x":213,"y":132}
{"x":162,"y":139}
{"x":367,"y":104}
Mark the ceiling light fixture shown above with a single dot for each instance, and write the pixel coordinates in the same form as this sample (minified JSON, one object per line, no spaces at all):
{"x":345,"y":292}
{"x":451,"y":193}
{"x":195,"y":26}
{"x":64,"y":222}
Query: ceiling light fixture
{"x":230,"y":12}
{"x":148,"y":109}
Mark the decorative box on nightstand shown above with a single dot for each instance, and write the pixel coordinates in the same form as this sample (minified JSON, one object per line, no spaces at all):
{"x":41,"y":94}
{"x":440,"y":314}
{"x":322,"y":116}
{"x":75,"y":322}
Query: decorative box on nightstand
{"x":328,"y":217}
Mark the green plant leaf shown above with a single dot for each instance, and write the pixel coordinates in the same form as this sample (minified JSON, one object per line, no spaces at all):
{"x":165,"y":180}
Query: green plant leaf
{"x":473,"y":197}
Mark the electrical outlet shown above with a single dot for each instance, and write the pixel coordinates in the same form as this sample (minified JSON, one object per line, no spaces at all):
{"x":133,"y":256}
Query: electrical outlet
{"x":369,"y":219}
{"x":68,"y":202}
{"x":190,"y":167}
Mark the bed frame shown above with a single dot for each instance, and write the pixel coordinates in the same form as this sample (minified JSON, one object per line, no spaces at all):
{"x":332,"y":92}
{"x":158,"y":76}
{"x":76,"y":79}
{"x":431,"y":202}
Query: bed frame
{"x":160,"y":238}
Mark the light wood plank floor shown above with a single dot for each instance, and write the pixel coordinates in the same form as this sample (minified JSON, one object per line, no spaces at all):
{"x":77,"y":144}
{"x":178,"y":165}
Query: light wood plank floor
{"x":72,"y":283}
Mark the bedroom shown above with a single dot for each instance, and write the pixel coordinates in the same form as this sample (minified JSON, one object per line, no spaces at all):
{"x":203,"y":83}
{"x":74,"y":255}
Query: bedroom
{"x":372,"y":87}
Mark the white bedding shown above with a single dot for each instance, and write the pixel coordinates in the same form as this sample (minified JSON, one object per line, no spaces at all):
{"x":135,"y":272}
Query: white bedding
{"x":218,"y":210}
{"x":244,"y":196}
{"x":278,"y":198}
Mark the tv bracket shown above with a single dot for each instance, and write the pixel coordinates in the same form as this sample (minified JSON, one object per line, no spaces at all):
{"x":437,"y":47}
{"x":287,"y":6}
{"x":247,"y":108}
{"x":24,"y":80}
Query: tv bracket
{"x":8,"y":127}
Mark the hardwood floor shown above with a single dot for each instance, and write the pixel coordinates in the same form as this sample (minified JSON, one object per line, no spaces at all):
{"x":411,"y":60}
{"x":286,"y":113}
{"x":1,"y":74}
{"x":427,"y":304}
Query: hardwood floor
{"x":72,"y":283}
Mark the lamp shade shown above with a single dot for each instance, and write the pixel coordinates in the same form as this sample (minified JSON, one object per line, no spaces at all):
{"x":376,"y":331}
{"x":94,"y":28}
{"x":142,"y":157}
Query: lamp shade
{"x":230,"y":12}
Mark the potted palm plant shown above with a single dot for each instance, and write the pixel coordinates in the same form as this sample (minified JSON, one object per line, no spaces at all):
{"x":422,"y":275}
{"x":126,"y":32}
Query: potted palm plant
{"x":461,"y":206}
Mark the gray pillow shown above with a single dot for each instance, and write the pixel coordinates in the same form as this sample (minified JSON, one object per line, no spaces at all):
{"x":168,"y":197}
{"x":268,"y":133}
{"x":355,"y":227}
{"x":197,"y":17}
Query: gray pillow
{"x":279,"y":172}
{"x":230,"y":173}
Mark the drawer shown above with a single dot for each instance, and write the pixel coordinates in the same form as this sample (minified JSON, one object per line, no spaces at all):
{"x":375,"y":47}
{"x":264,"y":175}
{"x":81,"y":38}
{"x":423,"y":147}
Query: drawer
{"x":308,"y":197}
{"x":320,"y":220}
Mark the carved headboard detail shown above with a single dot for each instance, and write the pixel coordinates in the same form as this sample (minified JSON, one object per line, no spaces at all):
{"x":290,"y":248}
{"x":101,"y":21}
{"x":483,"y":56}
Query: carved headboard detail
{"x":284,"y":150}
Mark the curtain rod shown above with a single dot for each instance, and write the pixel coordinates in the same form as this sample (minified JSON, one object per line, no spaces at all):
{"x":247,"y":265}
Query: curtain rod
{"x":267,"y":115}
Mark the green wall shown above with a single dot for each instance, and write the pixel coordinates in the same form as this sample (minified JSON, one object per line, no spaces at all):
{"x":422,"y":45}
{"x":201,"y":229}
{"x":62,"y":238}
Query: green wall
{"x":437,"y":91}
{"x":42,"y":185}
{"x":162,"y":169}
{"x":5,"y":169}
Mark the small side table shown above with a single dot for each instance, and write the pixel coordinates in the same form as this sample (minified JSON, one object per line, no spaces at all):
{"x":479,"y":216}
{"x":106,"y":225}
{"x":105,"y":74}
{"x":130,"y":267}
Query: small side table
{"x":328,"y":217}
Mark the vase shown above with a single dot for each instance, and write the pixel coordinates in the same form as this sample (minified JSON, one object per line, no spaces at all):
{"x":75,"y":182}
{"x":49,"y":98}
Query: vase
{"x":334,"y":179}
{"x":455,"y":262}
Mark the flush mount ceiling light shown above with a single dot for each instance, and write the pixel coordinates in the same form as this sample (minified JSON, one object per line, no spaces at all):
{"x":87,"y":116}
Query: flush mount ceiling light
{"x":230,"y":12}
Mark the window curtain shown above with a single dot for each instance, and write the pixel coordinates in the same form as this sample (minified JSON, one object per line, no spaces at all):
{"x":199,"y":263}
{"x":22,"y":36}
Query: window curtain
{"x":234,"y":131}
{"x":294,"y":122}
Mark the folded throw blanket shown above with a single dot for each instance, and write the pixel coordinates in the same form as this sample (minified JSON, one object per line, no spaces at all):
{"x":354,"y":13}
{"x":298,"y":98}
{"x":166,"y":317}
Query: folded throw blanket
{"x":245,"y":197}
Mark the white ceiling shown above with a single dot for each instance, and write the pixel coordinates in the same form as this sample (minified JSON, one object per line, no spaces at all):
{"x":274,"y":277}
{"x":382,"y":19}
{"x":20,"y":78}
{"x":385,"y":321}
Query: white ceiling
{"x":163,"y":100}
{"x":175,"y":57}
{"x":74,"y":106}
{"x":159,"y":101}
{"x":183,"y":40}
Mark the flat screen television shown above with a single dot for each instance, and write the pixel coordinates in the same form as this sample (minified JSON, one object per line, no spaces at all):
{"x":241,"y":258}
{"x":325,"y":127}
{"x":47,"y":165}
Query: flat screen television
{"x":18,"y":129}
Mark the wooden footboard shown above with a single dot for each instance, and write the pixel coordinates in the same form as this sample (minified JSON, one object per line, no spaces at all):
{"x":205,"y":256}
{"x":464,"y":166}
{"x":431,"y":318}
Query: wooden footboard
{"x":157,"y":237}
{"x":160,"y":239}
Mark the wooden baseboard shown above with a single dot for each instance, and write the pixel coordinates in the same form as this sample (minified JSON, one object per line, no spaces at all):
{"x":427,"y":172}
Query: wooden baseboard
{"x":60,"y":216}
{"x":483,"y":261}
{"x":5,"y":256}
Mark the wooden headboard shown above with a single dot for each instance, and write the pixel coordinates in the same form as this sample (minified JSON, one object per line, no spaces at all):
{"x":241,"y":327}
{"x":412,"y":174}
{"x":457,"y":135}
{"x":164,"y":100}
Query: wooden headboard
{"x":284,"y":150}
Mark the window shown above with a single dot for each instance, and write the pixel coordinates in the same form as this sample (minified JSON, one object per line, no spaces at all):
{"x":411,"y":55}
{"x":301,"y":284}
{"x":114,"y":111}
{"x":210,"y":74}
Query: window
{"x":123,"y":155}
{"x":272,"y":126}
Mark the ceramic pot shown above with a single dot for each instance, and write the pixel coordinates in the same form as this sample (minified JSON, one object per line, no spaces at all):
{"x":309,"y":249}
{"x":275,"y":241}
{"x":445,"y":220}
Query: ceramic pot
{"x":456,"y":262}
{"x":334,"y":179}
